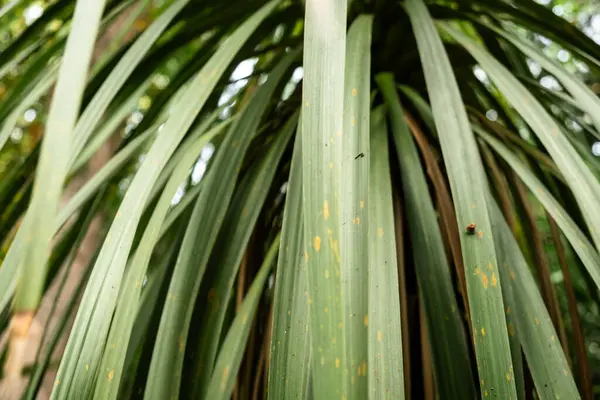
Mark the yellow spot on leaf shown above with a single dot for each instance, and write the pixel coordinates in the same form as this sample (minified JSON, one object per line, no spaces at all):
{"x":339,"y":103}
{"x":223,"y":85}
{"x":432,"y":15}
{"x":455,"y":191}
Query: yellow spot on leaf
{"x":379,"y":232}
{"x":354,"y":92}
{"x":326,"y":274}
{"x":331,"y":165}
{"x":482,"y":331}
{"x":480,"y":234}
{"x":565,"y":372}
{"x":508,"y":377}
{"x":111,"y":375}
{"x":353,"y":122}
{"x":362,"y":369}
{"x":482,"y":382}
{"x":326,"y":310}
{"x":306,"y":256}
{"x":537,"y":321}
{"x":356,"y":221}
{"x":485,"y":393}
{"x":484,"y":279}
{"x":326,"y":210}
{"x":362,"y":204}
{"x":490,"y":266}
{"x":511,"y":330}
{"x":494,"y":280}
{"x":366,"y":320}
{"x":87,"y":367}
{"x":477,"y":271}
{"x":553,"y":338}
{"x":57,"y":382}
{"x":379,"y":336}
{"x":317,"y":243}
{"x":512,"y":274}
{"x":337,"y":362}
{"x":307,"y":104}
{"x":310,"y":300}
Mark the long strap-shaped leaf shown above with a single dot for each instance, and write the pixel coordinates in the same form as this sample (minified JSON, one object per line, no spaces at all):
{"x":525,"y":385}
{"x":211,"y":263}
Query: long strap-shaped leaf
{"x":99,"y":300}
{"x":582,"y":246}
{"x":354,"y":222}
{"x":585,"y":98}
{"x":583,"y":183}
{"x":231,"y":244}
{"x":322,"y":125}
{"x":232,"y":351}
{"x":543,"y":351}
{"x":91,"y":116}
{"x":122,"y":323}
{"x":452,"y":369}
{"x":52,"y":166}
{"x":385,"y":368}
{"x":290,"y":342}
{"x":464,"y":167}
{"x":209,"y":211}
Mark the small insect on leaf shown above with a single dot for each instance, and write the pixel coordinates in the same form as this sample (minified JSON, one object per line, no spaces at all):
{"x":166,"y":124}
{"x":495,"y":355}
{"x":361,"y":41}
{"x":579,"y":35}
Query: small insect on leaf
{"x":471,"y":229}
{"x":361,"y":155}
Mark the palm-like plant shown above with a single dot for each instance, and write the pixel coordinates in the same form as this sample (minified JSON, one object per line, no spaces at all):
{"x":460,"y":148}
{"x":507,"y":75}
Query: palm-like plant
{"x":367,"y":233}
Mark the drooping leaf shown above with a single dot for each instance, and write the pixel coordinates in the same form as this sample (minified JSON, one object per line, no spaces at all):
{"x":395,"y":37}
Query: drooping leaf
{"x":99,"y":300}
{"x":464,"y":168}
{"x":452,"y":369}
{"x":207,"y":217}
{"x":385,"y":367}
{"x":354,"y":221}
{"x":232,"y":242}
{"x":290,"y":342}
{"x":584,"y":185}
{"x":230,"y":357}
{"x":322,"y":127}
{"x":543,"y":352}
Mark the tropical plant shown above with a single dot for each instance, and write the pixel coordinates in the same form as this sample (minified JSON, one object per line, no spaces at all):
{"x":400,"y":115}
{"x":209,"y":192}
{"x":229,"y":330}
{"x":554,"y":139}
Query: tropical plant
{"x":372,"y":224}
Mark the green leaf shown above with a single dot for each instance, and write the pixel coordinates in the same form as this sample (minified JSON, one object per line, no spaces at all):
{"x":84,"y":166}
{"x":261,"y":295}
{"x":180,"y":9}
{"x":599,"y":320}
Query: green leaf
{"x":122,"y":322}
{"x":322,"y":127}
{"x":42,"y":86}
{"x":90,"y":117}
{"x":354,"y":221}
{"x":93,"y":320}
{"x":582,"y":246}
{"x":450,"y":353}
{"x":230,"y":247}
{"x":544,"y":354}
{"x":167,"y":359}
{"x":584,"y":185}
{"x":465,"y":173}
{"x":385,"y":368}
{"x":52,"y":166}
{"x":290,"y":342}
{"x":229,"y":359}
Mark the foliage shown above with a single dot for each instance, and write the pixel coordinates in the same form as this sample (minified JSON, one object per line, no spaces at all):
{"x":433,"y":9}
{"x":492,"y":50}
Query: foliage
{"x":303,"y":199}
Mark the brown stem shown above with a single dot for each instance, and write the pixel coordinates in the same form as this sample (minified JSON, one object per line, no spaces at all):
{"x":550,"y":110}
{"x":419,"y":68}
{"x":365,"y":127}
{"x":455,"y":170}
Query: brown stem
{"x":428,"y":381}
{"x":449,"y":229}
{"x":403,"y":296}
{"x":541,"y":262}
{"x":585,"y":382}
